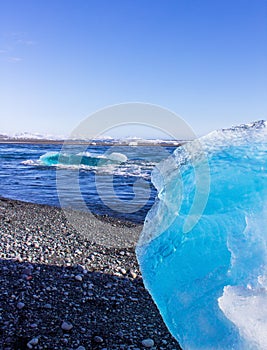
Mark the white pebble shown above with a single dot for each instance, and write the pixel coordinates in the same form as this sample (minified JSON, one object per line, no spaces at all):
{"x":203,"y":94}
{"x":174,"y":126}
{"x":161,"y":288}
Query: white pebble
{"x":79,"y":278}
{"x":81,"y":348}
{"x":133,"y":274}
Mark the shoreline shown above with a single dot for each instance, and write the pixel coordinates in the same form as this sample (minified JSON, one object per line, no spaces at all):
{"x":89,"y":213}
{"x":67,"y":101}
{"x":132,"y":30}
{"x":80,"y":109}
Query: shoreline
{"x":94,"y":143}
{"x":53,"y":278}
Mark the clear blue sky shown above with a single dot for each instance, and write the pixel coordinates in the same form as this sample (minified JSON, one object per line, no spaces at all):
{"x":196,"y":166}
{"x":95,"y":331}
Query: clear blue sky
{"x":61,"y":60}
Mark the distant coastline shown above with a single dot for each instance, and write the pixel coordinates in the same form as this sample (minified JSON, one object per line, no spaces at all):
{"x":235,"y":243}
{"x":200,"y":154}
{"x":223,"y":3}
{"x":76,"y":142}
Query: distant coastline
{"x":94,"y":142}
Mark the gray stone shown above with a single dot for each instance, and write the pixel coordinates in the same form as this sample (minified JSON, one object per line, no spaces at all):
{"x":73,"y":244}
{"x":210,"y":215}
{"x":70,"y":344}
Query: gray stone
{"x":20,"y":305}
{"x":66,"y":326}
{"x":33,"y":341}
{"x":98,"y":339}
{"x":148,"y":343}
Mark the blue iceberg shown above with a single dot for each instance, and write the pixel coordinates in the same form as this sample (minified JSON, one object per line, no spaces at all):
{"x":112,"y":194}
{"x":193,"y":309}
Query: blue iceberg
{"x":203,"y":249}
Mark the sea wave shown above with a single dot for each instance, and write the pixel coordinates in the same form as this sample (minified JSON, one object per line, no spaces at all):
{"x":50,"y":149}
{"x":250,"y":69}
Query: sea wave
{"x":114,"y":163}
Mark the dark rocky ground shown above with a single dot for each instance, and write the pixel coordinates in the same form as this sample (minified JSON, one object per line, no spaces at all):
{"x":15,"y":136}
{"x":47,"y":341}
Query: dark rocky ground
{"x":63,"y":290}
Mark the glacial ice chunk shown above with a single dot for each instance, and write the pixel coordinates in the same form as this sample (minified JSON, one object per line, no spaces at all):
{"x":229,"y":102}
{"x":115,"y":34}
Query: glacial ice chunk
{"x":206,"y":267}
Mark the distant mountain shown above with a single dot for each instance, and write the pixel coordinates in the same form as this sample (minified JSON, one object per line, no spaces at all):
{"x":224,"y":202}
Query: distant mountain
{"x":4,"y":137}
{"x":24,"y":136}
{"x":28,"y":137}
{"x":35,"y":136}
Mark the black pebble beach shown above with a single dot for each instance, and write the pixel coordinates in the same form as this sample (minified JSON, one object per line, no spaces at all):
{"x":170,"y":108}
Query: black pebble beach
{"x":62,"y":290}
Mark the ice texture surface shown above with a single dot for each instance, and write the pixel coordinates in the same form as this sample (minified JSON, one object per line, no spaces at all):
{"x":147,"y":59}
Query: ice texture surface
{"x":206,"y":268}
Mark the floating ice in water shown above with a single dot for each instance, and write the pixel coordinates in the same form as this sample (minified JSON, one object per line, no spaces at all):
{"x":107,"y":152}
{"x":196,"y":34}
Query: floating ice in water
{"x":80,"y":159}
{"x":117,"y":157}
{"x":206,"y":268}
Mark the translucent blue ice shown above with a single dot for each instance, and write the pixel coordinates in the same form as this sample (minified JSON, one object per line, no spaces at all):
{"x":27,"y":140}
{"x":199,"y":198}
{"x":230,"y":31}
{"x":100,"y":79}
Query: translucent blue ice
{"x":206,"y":267}
{"x":80,"y":159}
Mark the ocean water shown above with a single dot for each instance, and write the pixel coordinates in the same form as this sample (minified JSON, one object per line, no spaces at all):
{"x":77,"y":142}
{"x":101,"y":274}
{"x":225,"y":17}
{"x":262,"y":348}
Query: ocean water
{"x":29,"y":172}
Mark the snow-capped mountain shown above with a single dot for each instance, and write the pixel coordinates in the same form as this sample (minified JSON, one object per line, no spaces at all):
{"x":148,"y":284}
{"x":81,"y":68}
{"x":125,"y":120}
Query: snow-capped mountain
{"x":30,"y":136}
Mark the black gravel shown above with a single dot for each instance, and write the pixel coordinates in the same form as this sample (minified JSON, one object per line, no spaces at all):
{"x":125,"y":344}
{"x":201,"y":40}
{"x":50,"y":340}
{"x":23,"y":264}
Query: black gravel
{"x":53,"y":278}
